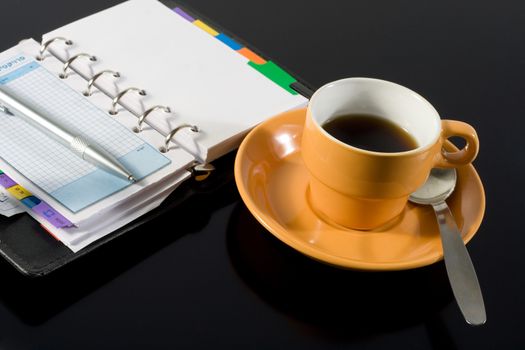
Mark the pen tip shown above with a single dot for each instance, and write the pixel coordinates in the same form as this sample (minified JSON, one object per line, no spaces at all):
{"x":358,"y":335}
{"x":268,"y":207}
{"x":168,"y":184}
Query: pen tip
{"x":131,"y":178}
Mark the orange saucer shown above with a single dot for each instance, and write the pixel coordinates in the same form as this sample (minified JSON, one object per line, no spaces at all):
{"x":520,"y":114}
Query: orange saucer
{"x":273,"y":182}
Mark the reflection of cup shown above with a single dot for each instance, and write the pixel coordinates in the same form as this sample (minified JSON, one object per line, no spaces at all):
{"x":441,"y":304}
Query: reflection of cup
{"x":364,"y":189}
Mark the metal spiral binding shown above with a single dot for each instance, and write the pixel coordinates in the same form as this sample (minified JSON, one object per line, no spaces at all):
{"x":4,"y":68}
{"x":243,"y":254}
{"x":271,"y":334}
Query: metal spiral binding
{"x":95,"y":77}
{"x":63,"y":75}
{"x":113,"y":110}
{"x":200,"y":171}
{"x":138,"y":128}
{"x":44,"y":46}
{"x":172,"y":133}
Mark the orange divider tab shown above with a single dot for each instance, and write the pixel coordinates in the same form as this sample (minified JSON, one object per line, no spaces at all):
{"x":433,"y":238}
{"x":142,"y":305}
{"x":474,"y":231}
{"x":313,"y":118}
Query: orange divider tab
{"x":18,"y":192}
{"x":205,"y":27}
{"x":252,"y":56}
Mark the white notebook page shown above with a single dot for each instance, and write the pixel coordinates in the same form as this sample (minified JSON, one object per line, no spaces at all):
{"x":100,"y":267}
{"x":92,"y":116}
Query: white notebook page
{"x":204,"y":81}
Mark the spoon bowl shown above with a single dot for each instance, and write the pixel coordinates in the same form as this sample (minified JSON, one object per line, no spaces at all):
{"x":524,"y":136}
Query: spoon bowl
{"x":438,"y":187}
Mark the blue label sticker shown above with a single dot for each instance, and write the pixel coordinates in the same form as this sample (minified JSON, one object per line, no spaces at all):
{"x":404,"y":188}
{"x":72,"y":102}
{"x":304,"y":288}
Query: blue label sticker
{"x":19,"y":72}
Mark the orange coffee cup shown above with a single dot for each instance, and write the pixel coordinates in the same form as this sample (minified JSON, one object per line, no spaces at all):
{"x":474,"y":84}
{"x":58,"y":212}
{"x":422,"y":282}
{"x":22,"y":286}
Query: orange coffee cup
{"x":364,"y":189}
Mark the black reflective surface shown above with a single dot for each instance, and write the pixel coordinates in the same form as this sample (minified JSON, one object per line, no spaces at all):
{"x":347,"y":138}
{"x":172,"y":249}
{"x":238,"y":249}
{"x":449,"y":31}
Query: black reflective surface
{"x":218,"y":279}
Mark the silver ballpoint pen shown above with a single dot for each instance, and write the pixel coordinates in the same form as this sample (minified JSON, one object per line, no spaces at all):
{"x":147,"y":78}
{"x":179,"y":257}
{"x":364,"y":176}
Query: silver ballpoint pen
{"x":94,"y":154}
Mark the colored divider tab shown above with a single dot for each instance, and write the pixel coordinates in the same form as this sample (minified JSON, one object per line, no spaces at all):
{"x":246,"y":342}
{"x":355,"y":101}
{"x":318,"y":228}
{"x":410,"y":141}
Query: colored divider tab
{"x":30,"y":201}
{"x":267,"y":68}
{"x":229,"y":41}
{"x":18,"y":192}
{"x":183,"y":14}
{"x":205,"y":27}
{"x":51,"y":215}
{"x":6,"y":181}
{"x":252,"y":56}
{"x":40,"y":207}
{"x":276,"y":74}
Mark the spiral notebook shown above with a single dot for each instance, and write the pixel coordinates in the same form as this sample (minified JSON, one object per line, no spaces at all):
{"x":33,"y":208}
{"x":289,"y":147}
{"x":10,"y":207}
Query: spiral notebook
{"x":164,"y":91}
{"x":73,"y":182}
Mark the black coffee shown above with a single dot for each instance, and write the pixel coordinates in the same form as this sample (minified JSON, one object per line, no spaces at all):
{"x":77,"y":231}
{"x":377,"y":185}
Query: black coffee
{"x":370,"y":132}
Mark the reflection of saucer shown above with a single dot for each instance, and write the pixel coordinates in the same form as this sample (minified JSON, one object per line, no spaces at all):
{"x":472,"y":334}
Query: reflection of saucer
{"x":273,"y":183}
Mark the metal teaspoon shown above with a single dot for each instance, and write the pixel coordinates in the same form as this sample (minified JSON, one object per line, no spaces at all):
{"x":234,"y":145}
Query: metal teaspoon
{"x":461,"y":274}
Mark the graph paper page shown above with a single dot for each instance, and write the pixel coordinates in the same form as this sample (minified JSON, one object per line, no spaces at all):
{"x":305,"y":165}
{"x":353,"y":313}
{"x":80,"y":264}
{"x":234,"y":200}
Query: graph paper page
{"x":73,"y":182}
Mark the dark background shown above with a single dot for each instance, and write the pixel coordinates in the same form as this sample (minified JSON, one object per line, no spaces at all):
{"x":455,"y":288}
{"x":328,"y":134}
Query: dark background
{"x":213,"y":277}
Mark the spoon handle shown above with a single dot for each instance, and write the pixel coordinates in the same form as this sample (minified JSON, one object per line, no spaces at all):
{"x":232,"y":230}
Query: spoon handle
{"x":460,"y":270}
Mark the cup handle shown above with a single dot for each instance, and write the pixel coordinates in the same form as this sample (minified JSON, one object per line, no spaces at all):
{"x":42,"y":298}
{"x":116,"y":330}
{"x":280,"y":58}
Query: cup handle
{"x":464,"y":156}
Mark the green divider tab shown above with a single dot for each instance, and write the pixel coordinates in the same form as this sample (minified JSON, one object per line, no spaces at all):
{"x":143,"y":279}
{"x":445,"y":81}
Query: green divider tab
{"x":275,"y":74}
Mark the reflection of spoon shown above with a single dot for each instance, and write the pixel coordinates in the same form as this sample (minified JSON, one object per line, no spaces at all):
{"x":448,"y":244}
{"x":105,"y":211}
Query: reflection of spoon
{"x":461,"y":274}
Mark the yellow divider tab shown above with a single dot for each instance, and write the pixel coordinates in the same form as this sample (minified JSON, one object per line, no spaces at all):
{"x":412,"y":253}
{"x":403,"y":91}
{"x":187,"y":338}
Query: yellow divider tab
{"x":205,"y":27}
{"x":18,"y":192}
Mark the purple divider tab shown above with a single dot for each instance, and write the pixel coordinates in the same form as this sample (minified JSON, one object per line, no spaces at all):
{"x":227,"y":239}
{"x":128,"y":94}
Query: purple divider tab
{"x":6,"y":181}
{"x":183,"y":14}
{"x":55,"y":218}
